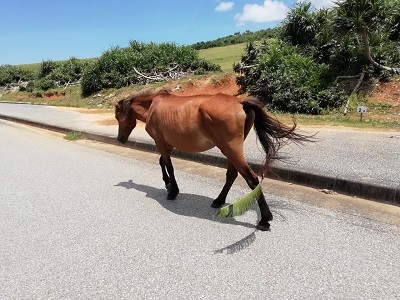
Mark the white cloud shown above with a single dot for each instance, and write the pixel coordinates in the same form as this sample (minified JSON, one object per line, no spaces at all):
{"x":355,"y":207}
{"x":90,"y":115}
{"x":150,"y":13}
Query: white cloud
{"x":224,"y":6}
{"x":270,"y":11}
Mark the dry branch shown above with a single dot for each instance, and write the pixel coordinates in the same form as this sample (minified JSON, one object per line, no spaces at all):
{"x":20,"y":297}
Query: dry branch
{"x":360,"y":80}
{"x":173,"y":73}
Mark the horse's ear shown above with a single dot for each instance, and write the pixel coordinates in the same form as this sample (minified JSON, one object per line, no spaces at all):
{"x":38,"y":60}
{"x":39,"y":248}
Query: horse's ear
{"x":126,"y":104}
{"x":114,"y":103}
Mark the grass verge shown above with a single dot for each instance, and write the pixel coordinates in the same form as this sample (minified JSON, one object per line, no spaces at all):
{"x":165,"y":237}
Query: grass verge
{"x":74,"y":136}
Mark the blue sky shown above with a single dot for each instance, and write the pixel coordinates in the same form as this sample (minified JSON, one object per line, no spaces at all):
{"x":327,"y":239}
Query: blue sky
{"x":33,"y":31}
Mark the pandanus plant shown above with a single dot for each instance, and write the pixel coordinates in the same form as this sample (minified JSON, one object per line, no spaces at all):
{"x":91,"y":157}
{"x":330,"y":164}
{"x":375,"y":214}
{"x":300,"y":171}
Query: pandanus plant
{"x":363,"y":17}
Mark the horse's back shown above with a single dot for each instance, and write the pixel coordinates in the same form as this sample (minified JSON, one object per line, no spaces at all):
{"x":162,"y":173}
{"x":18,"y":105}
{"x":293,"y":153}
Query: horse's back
{"x":195,"y":123}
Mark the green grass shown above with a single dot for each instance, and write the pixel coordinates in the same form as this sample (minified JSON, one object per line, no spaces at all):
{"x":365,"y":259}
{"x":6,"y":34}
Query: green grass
{"x":31,"y":67}
{"x":338,"y":119}
{"x":224,"y":56}
{"x":74,"y":136}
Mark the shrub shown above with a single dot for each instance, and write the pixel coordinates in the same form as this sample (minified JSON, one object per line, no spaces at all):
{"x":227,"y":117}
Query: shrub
{"x":13,"y":74}
{"x":53,"y":73}
{"x":46,"y":68}
{"x":331,"y":36}
{"x":42,"y":84}
{"x":286,"y":80}
{"x":116,"y":67}
{"x":68,"y":71}
{"x":91,"y":81}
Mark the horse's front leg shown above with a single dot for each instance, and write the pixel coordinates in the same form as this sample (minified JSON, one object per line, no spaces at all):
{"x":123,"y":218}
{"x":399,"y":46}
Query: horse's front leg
{"x":231,"y":174}
{"x":172,"y":186}
{"x":165,"y":176}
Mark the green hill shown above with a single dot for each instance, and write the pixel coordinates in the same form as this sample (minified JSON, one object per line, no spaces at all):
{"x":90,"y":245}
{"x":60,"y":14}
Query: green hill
{"x":224,"y":56}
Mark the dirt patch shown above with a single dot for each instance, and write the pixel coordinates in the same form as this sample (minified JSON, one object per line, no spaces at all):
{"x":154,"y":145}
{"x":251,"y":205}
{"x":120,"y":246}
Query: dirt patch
{"x":108,"y":122}
{"x":388,"y":92}
{"x":108,"y":117}
{"x":384,"y":101}
{"x":54,"y":95}
{"x":90,"y":111}
{"x":108,"y":114}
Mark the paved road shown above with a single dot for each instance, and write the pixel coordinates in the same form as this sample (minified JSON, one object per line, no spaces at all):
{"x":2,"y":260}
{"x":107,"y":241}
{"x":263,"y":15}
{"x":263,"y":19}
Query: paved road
{"x":81,"y":223}
{"x":355,"y":162}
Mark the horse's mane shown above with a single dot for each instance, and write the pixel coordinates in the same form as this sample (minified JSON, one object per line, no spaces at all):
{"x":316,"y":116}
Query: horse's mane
{"x":146,"y":93}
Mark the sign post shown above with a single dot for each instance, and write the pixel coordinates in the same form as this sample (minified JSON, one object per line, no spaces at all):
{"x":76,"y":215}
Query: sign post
{"x":362,"y":110}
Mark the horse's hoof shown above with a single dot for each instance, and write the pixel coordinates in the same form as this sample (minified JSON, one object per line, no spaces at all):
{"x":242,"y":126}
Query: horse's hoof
{"x":263,"y":227}
{"x":173,"y":194}
{"x":216,"y":204}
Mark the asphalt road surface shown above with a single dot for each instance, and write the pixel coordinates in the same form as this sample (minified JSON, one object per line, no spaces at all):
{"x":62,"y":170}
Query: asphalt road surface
{"x":82,"y":220}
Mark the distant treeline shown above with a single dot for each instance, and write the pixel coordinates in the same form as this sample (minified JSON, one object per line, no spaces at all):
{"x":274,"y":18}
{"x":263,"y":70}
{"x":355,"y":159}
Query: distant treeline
{"x":238,"y":38}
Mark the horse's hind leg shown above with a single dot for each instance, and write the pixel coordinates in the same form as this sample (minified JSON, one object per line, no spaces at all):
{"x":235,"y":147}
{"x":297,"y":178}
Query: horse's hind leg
{"x":266,"y":215}
{"x":231,"y":174}
{"x":252,"y":181}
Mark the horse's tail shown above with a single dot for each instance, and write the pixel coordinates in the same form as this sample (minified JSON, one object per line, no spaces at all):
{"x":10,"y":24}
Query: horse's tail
{"x":271,"y":133}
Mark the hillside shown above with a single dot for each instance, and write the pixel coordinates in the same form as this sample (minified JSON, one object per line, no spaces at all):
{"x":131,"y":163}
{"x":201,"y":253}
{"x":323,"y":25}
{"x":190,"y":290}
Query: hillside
{"x":224,"y":56}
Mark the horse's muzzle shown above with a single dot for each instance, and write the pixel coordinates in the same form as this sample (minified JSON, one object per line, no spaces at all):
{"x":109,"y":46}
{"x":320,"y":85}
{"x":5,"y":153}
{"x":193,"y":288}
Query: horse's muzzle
{"x":122,"y":139}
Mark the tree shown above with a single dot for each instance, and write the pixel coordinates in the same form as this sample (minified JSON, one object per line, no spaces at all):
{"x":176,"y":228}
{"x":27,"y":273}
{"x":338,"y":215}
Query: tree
{"x":298,"y":26}
{"x":363,"y":17}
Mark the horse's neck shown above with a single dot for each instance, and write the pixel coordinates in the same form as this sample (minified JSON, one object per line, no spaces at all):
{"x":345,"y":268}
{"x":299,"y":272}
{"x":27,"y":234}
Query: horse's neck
{"x":141,"y":109}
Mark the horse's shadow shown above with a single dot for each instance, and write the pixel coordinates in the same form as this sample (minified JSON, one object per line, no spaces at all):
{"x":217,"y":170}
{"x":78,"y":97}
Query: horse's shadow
{"x":185,"y":204}
{"x":193,"y":206}
{"x":198,"y":206}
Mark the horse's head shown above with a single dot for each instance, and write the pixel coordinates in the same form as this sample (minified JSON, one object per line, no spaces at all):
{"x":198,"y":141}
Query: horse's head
{"x":126,"y":119}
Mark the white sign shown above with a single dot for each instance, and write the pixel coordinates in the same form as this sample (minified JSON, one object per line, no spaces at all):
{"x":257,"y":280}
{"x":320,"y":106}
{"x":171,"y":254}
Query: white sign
{"x":362,"y":109}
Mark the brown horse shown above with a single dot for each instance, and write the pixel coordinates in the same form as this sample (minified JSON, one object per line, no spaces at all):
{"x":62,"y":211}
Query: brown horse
{"x":199,"y":123}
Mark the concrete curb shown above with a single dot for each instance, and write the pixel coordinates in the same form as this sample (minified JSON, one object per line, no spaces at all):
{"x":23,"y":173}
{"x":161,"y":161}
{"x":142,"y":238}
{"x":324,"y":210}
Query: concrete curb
{"x":366,"y":189}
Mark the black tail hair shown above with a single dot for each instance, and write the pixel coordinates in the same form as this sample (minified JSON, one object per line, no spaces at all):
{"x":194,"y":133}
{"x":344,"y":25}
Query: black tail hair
{"x":272,"y":133}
